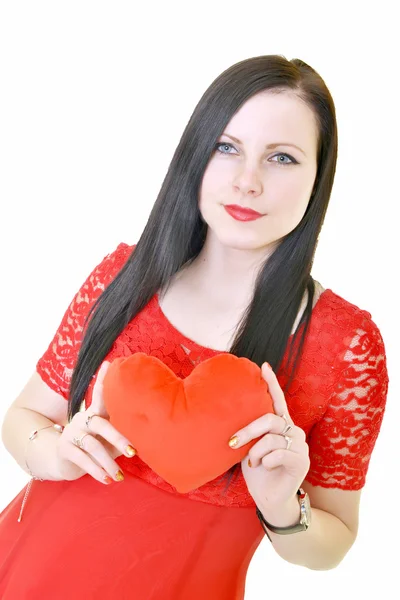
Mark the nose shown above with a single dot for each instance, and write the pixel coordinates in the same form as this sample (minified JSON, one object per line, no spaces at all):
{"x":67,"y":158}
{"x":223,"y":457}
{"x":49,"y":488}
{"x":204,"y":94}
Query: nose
{"x":248,"y":182}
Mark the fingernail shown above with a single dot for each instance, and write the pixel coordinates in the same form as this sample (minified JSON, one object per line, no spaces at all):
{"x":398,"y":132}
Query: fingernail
{"x":119,"y":476}
{"x":130,"y":451}
{"x":268,"y":365}
{"x":249,"y":463}
{"x":107,"y":479}
{"x":233,"y":442}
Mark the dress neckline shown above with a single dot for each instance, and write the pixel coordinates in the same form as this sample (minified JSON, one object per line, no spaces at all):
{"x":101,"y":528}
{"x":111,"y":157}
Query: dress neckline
{"x":194,"y":346}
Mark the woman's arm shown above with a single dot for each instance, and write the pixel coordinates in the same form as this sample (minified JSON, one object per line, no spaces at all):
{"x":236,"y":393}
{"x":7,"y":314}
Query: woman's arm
{"x":37,"y":406}
{"x":333,"y":529}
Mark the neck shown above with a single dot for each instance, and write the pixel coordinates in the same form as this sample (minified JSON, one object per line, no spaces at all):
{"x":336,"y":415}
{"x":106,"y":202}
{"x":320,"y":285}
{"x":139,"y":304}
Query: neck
{"x":227,"y":273}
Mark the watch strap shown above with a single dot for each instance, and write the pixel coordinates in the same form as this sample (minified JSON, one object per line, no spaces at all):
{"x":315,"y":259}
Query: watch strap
{"x":301,"y":526}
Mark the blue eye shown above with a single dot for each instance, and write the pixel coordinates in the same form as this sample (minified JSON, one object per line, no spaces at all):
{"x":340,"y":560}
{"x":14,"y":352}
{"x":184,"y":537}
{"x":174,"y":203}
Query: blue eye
{"x":217,"y":147}
{"x":283,"y":158}
{"x":292,"y":161}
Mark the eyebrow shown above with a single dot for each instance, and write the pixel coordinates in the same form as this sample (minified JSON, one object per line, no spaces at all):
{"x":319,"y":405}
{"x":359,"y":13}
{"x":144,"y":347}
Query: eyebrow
{"x":268,"y":146}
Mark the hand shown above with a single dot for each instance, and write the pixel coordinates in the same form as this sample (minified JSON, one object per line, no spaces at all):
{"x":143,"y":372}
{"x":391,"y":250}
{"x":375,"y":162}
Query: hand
{"x":276,"y":472}
{"x":101,"y":444}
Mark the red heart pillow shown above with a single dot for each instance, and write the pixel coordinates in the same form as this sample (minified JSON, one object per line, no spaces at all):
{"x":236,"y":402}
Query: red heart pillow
{"x":181,"y":427}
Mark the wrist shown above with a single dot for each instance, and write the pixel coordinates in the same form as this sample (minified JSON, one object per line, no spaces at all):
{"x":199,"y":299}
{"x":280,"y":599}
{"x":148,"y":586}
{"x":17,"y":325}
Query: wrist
{"x":282,"y":515}
{"x":31,"y":445}
{"x":42,"y":442}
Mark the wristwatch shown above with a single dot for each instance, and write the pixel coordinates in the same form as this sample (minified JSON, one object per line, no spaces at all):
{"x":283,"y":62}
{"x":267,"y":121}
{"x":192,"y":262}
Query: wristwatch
{"x":302,"y":525}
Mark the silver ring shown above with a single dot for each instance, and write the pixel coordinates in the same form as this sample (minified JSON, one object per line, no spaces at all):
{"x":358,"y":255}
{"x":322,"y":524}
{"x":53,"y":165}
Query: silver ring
{"x":79,"y":441}
{"x":88,"y":419}
{"x":289,"y":441}
{"x":287,"y":427}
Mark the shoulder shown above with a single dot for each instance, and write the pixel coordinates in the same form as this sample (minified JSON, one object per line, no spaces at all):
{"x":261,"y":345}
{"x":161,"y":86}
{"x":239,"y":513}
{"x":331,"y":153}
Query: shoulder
{"x":113,"y":262}
{"x":342,"y":311}
{"x":101,"y":275}
{"x":121,"y":253}
{"x":331,"y":309}
{"x":356,"y":335}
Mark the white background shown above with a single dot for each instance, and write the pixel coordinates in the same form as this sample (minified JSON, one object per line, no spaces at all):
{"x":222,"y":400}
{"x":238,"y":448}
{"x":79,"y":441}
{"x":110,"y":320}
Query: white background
{"x":94,"y":98}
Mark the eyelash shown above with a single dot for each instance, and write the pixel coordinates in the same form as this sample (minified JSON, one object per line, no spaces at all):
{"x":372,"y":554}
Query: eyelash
{"x":293,"y":160}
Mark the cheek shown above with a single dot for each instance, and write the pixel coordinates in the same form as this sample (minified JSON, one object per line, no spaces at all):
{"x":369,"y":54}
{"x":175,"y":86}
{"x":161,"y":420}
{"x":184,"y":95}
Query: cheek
{"x":210,"y":190}
{"x":216,"y":179}
{"x":290,"y":193}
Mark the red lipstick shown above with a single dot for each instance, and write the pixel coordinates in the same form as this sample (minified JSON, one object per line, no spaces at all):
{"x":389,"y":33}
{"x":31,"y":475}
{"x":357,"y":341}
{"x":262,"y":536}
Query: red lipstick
{"x":242,"y":214}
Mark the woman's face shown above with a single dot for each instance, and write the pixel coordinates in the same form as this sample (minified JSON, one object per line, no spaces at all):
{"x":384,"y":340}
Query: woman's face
{"x":270,"y":167}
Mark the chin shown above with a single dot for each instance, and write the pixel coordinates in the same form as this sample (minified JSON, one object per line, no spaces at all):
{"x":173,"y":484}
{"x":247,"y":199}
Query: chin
{"x":248,"y":240}
{"x":232,"y":234}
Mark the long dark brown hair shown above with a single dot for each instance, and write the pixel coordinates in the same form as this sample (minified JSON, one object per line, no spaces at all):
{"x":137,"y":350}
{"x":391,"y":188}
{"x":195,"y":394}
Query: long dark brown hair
{"x":175,"y":232}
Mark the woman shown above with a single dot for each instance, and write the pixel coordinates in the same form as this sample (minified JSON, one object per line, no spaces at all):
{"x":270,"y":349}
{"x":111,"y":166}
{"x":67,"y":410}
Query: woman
{"x":223,"y":265}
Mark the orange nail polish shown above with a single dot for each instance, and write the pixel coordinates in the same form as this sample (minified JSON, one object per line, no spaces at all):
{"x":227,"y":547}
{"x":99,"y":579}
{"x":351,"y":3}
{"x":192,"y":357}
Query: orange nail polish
{"x":107,"y":479}
{"x":119,"y":476}
{"x":130,"y":451}
{"x":233,"y":442}
{"x":249,"y":463}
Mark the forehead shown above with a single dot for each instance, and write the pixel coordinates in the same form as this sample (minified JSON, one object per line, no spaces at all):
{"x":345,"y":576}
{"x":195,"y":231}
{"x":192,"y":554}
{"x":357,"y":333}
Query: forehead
{"x":275,"y":117}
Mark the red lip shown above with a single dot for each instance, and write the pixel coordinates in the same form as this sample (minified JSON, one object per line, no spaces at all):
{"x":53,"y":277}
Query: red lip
{"x":242,"y":214}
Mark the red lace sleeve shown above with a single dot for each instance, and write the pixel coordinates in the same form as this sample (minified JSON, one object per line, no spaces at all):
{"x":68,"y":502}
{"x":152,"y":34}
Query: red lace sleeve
{"x":341,"y":443}
{"x":56,"y":365}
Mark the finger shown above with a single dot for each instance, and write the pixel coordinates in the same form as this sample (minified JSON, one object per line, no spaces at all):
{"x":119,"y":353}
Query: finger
{"x":76,"y":456}
{"x":112,"y":450}
{"x":292,"y":461}
{"x":268,"y":423}
{"x":97,"y":452}
{"x":100,"y":426}
{"x":277,"y":395}
{"x":97,"y":405}
{"x":268,"y":444}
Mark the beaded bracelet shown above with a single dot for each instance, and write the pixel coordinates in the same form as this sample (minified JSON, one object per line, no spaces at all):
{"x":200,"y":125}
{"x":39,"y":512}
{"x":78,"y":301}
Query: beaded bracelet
{"x":32,"y":436}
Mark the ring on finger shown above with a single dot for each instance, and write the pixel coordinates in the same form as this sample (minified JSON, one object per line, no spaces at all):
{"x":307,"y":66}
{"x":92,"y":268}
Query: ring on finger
{"x":287,"y":427}
{"x":289,"y":441}
{"x":88,"y":419}
{"x":79,"y":441}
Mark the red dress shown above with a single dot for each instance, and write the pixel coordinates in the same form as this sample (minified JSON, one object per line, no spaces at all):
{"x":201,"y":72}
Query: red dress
{"x":140,"y":539}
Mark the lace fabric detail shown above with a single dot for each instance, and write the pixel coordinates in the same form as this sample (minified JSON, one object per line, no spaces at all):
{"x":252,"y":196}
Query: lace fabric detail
{"x":57,"y":363}
{"x":341,"y":443}
{"x":338,"y":395}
